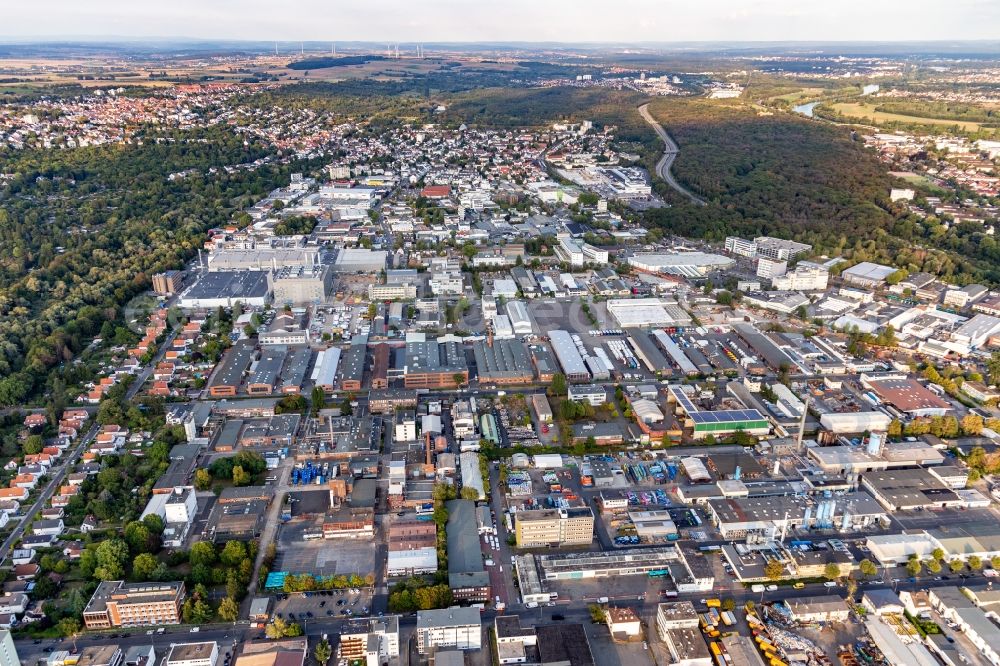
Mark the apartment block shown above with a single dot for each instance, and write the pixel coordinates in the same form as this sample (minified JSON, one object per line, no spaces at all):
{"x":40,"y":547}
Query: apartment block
{"x":119,"y":604}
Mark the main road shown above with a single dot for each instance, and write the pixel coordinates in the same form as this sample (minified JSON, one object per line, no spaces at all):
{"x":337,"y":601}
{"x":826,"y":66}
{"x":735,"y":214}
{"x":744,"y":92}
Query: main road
{"x":669,"y":155}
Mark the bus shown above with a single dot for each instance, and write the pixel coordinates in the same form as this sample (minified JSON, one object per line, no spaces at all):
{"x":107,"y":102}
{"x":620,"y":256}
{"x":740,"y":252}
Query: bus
{"x":659,"y":573}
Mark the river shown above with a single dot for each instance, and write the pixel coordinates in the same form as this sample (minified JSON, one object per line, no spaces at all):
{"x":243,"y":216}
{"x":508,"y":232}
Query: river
{"x":805,"y":109}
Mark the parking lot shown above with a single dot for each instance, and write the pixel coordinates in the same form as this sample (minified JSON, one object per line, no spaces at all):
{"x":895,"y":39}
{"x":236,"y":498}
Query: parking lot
{"x":326,"y":603}
{"x":322,"y":557}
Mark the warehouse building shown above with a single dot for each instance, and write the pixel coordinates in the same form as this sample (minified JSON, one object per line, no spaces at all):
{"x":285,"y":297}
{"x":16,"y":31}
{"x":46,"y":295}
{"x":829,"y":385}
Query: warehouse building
{"x":358,"y":260}
{"x":648,"y":312}
{"x":685,"y":264}
{"x":718,"y":423}
{"x":433,"y":365}
{"x":467,"y":575}
{"x":227,"y":380}
{"x":569,"y":356}
{"x":907,"y":395}
{"x":325,"y":371}
{"x":502,"y":362}
{"x":909,"y":489}
{"x":519,"y":319}
{"x":867,"y":274}
{"x":225,"y":289}
{"x":353,"y":367}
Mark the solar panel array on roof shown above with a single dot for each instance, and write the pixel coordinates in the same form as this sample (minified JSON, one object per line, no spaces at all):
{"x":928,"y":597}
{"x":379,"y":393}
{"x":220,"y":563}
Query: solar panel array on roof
{"x":726,"y":416}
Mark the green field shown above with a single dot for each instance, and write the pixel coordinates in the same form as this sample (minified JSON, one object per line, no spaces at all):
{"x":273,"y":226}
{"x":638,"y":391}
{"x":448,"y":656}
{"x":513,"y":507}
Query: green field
{"x":867,"y":112}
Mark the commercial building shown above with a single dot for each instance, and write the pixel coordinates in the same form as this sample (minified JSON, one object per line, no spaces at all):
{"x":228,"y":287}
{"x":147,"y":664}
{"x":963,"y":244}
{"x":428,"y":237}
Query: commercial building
{"x":589,"y":393}
{"x":818,"y":609}
{"x":771,"y":268}
{"x":867,"y":274}
{"x":116,"y":603}
{"x":168,"y":283}
{"x":806,"y":276}
{"x":455,"y":627}
{"x":778,"y":248}
{"x":193,"y":654}
{"x":554,"y":527}
{"x":301,"y":285}
{"x":373,"y":643}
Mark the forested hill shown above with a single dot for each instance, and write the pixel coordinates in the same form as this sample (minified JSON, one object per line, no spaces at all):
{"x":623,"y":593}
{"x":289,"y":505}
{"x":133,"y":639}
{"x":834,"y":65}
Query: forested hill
{"x":82,"y":231}
{"x":810,"y":181}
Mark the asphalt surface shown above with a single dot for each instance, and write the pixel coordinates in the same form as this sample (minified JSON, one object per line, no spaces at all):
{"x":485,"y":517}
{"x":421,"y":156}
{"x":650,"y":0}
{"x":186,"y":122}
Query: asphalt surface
{"x":669,"y":155}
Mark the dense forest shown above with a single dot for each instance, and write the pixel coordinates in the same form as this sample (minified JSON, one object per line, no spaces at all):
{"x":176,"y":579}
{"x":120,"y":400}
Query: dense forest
{"x":809,"y":181}
{"x":333,"y":61}
{"x":82,"y":231}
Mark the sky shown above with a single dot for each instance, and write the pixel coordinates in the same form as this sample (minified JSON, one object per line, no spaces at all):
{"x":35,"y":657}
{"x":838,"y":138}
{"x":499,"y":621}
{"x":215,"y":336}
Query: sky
{"x":620,"y":21}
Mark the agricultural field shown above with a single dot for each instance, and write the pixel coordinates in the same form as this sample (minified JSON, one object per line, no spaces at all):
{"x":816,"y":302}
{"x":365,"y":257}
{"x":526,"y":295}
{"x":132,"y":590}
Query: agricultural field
{"x":867,"y":112}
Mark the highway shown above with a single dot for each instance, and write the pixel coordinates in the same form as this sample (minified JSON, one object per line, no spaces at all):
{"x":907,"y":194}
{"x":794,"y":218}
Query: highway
{"x":669,"y":155}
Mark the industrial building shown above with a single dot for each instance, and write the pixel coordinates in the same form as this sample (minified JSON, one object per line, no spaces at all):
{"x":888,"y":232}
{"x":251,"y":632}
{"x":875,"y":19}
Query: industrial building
{"x":358,"y":260}
{"x":467,"y":576}
{"x":867,"y":274}
{"x":430,"y":364}
{"x":685,"y":264}
{"x":646,"y":312}
{"x":517,"y":311}
{"x":570,"y":359}
{"x":301,"y":285}
{"x":502,"y":362}
{"x":224,"y":289}
{"x":264,"y":259}
{"x":766,"y":517}
{"x":717,"y":423}
{"x":906,"y":395}
{"x":554,"y":527}
{"x":228,"y":378}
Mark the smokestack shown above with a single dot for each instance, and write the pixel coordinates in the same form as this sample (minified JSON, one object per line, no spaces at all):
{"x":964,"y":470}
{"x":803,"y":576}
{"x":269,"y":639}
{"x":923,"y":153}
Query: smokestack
{"x":802,"y":426}
{"x":427,"y":445}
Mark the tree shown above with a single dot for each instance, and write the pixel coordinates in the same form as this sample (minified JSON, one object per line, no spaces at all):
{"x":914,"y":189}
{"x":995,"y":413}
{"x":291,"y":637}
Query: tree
{"x":852,"y":588}
{"x":774,"y":569}
{"x":154,"y":523}
{"x":995,"y":562}
{"x":233,"y":553}
{"x":728,"y":604}
{"x":972,"y":425}
{"x":322,"y":652}
{"x":558,"y":385}
{"x":229,"y":610}
{"x":143,"y":566}
{"x":913,"y":568}
{"x":111,"y":557}
{"x":597,"y":614}
{"x":975,"y":562}
{"x":938,"y":554}
{"x":240,"y":477}
{"x":831,"y":571}
{"x":202,"y":553}
{"x":868,"y":568}
{"x":138,"y":537}
{"x":202,"y":479}
{"x":33,"y":445}
{"x":470,"y":493}
{"x":895,"y":430}
{"x":68,"y":627}
{"x":956,"y":565}
{"x":933,"y":566}
{"x":318,"y":399}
